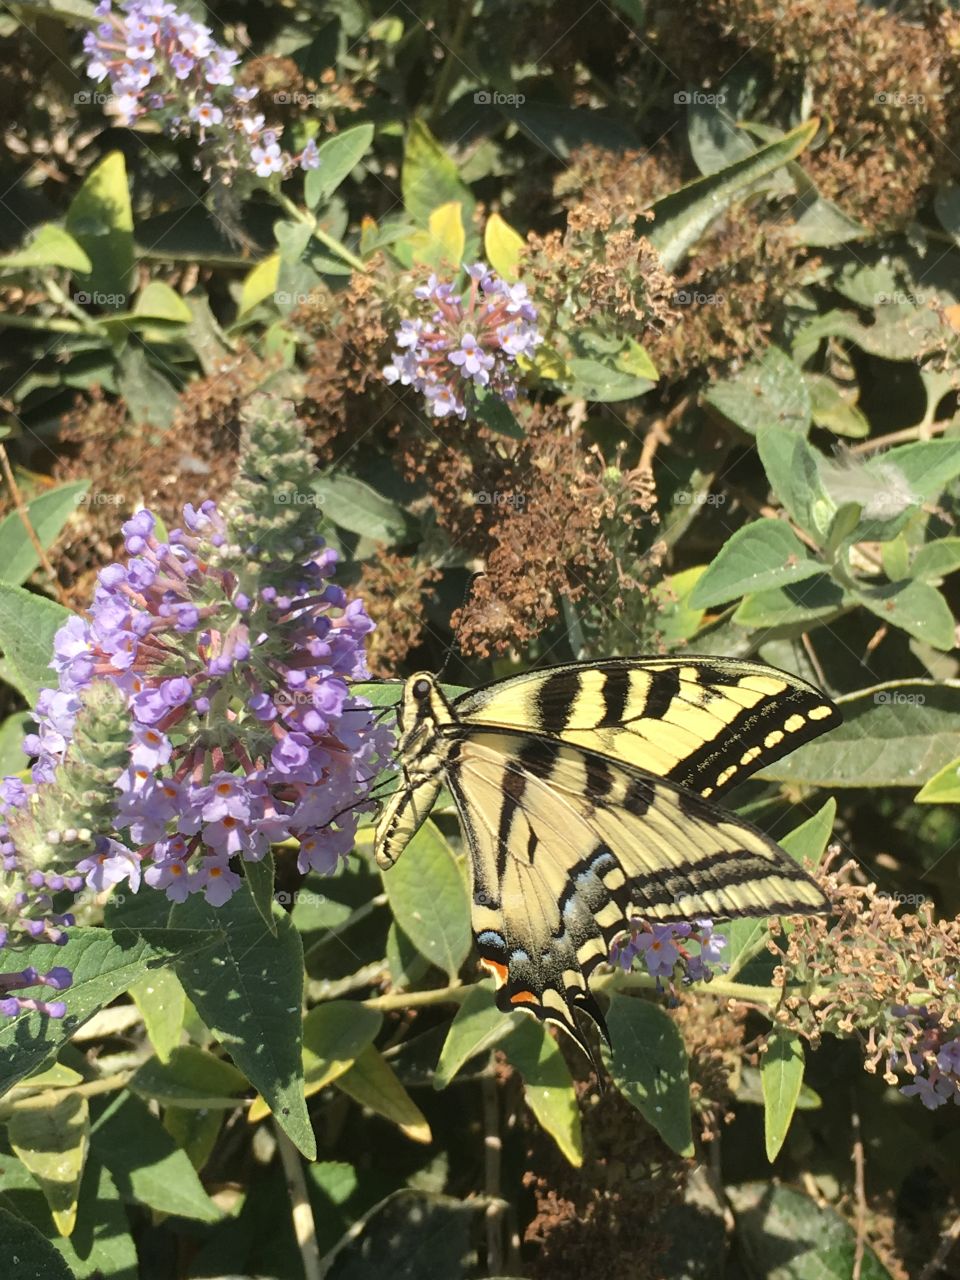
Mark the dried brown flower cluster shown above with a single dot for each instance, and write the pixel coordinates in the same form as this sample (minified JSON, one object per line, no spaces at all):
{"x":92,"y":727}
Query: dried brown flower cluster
{"x":130,"y":465}
{"x":713,"y":1037}
{"x":882,"y":82}
{"x":624,"y":180}
{"x":396,"y":589}
{"x":537,"y":515}
{"x":345,"y":336}
{"x":597,"y":273}
{"x":731,"y":295}
{"x":589,"y":1219}
{"x":860,"y":971}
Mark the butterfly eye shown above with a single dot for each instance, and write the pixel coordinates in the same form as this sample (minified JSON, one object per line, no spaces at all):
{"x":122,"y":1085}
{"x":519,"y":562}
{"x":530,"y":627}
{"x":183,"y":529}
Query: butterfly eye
{"x":421,"y":690}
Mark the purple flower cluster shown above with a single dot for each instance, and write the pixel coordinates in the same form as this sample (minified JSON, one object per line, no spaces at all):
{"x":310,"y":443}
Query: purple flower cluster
{"x":456,"y":344}
{"x":664,"y":947}
{"x":244,"y":731}
{"x":933,"y":1060}
{"x":162,"y":63}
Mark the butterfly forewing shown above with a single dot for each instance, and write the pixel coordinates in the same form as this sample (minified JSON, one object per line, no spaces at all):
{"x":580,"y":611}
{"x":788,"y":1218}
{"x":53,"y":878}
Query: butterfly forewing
{"x":705,"y":723}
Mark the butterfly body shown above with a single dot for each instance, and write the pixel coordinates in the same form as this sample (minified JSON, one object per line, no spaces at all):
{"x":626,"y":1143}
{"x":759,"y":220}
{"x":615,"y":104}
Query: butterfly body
{"x":586,"y":793}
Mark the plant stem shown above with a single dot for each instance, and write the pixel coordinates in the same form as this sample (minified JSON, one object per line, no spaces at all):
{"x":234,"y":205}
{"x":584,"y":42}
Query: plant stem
{"x":301,"y":215}
{"x":723,"y":987}
{"x":304,"y":1226}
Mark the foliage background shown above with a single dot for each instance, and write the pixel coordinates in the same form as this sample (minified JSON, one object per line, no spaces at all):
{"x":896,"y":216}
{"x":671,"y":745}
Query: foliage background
{"x":741,"y":222}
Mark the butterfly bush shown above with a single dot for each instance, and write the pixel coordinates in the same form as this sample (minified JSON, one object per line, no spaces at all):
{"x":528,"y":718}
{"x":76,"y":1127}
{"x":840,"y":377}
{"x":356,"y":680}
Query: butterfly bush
{"x":454,"y":345}
{"x":933,"y":1059}
{"x":228,"y":654}
{"x":162,"y":64}
{"x":665,"y":948}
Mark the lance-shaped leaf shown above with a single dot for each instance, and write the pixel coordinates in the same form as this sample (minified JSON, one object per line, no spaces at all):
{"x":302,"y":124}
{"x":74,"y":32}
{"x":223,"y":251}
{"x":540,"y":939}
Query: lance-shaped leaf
{"x":50,"y":1133}
{"x":547,"y":1085}
{"x":429,"y":900}
{"x":781,"y":1075}
{"x":648,"y":1064}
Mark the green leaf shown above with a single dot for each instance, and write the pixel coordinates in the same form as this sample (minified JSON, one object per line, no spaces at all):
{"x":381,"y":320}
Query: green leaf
{"x":648,"y":1064}
{"x":150,"y":396}
{"x":933,"y":561}
{"x":547,"y":1085}
{"x":593,"y":380}
{"x":191,"y":1078}
{"x":157,"y":301}
{"x":763,"y":554}
{"x":100,"y":219}
{"x":712,"y":133}
{"x":681,"y":218}
{"x":498,"y":416}
{"x":146,"y":1164}
{"x":893,"y":735}
{"x":781,"y":1075}
{"x":251,"y":997}
{"x":943,"y":787}
{"x":832,"y":410}
{"x":162,"y":1002}
{"x":50,"y":247}
{"x":372,"y":1082}
{"x":823,"y":225}
{"x":353,"y":505}
{"x":259,"y":878}
{"x":28,"y":1256}
{"x":104,"y":964}
{"x":407,"y":966}
{"x":636,"y":360}
{"x":334,"y":1035}
{"x":412,"y":1235}
{"x":791,"y":467}
{"x":28,"y":624}
{"x":785,"y":1235}
{"x":441,"y":245}
{"x":12,"y":732}
{"x":339,"y":155}
{"x":50,"y":1134}
{"x":47,"y":514}
{"x":815,"y":599}
{"x":915,"y":607}
{"x":767,"y":392}
{"x":477,"y":1027}
{"x":259,"y":283}
{"x":503,"y":247}
{"x":429,"y":900}
{"x":430,"y":178}
{"x":806,"y":843}
{"x":100,"y":1248}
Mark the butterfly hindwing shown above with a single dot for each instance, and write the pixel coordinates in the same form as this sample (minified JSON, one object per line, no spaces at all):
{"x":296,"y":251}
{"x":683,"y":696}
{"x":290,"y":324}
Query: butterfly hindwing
{"x":568,"y":848}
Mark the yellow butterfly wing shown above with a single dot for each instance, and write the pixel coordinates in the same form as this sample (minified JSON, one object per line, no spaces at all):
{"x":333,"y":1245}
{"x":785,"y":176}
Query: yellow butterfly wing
{"x":567,"y":847}
{"x":703,"y":723}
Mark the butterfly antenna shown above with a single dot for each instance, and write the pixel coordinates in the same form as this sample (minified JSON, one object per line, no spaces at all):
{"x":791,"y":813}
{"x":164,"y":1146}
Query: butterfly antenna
{"x":454,"y":645}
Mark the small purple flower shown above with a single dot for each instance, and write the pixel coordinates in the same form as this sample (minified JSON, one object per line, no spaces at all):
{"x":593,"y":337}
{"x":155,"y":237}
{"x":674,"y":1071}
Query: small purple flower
{"x":453,"y":343}
{"x":310,"y":156}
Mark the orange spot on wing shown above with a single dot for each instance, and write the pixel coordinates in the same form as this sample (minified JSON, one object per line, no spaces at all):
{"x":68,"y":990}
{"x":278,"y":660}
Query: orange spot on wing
{"x":498,"y":970}
{"x":524,"y":997}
